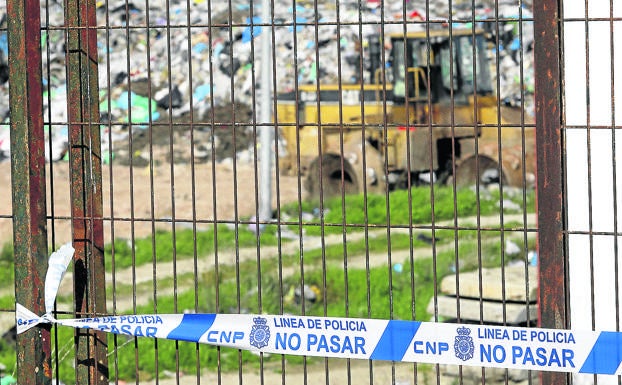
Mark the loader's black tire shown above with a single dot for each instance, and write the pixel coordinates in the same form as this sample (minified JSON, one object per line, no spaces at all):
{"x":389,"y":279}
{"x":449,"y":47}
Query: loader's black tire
{"x":330,"y":181}
{"x":469,"y":172}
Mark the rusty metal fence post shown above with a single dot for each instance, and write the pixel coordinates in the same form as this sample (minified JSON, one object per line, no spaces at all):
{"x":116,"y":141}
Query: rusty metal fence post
{"x":86,"y":187}
{"x":28,"y":184}
{"x":552,"y":256}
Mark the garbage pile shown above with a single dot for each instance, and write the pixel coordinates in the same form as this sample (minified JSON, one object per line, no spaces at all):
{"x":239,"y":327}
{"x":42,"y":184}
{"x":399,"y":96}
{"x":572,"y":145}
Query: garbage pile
{"x":165,"y":66}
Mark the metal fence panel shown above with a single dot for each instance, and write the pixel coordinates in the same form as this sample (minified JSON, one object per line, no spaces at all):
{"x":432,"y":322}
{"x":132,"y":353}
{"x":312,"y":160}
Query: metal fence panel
{"x":591,"y":127}
{"x":393,"y":175}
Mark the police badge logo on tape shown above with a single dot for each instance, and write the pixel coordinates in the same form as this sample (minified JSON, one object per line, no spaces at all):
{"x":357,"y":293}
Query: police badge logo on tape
{"x":463,"y":344}
{"x":260,"y":333}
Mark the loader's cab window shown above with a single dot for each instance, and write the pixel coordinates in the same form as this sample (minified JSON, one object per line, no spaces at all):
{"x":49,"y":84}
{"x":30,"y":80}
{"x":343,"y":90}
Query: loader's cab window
{"x":466,"y":70}
{"x":398,"y":64}
{"x":409,"y":60}
{"x":419,"y":66}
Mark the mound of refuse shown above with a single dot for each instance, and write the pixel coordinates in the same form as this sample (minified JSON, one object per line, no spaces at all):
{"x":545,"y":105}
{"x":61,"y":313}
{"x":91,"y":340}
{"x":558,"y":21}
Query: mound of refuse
{"x":180,"y":71}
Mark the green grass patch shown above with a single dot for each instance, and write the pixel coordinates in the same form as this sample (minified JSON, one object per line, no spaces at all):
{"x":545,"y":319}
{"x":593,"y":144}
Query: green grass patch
{"x":360,"y":212}
{"x":8,"y":357}
{"x":7,"y":302}
{"x":6,"y":264}
{"x":401,"y":208}
{"x":163,"y":246}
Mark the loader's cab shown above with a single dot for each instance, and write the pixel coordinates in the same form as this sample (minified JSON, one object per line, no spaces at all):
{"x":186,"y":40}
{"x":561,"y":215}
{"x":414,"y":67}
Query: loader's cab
{"x":438,"y":67}
{"x":440,"y":82}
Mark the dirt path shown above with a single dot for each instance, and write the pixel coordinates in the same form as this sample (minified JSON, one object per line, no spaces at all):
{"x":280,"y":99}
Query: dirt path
{"x":144,"y":274}
{"x":333,"y":371}
{"x":147,"y":274}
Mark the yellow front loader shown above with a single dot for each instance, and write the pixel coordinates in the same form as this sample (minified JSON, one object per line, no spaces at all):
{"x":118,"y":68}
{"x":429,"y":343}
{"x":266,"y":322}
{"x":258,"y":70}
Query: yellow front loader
{"x":427,"y":113}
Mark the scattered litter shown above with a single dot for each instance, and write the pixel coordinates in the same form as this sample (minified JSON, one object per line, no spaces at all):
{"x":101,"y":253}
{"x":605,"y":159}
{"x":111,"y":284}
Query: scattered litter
{"x":427,"y":177}
{"x":156,"y":75}
{"x":398,"y":267}
{"x":532,"y":257}
{"x":509,"y":205}
{"x":511,"y":248}
{"x":255,"y":227}
{"x":288,"y":234}
{"x":8,"y":380}
{"x":426,"y":238}
{"x":311,"y":293}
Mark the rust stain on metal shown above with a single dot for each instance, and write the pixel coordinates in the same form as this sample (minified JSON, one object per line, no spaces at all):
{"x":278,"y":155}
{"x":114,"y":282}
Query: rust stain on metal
{"x":549,"y":188}
{"x":28,"y":183}
{"x":47,"y":369}
{"x":86,"y":186}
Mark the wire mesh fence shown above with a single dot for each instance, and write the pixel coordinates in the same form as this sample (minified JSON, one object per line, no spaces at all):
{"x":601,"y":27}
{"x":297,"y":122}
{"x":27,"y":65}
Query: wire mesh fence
{"x":358,"y":159}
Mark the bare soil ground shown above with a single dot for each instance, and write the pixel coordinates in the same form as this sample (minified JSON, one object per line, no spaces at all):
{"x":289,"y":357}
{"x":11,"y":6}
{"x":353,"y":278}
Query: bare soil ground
{"x":138,"y":199}
{"x":332,"y":371}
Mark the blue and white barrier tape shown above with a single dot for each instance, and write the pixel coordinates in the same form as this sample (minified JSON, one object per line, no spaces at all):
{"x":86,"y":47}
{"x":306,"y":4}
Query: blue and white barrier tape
{"x":391,"y":340}
{"x":407,"y":341}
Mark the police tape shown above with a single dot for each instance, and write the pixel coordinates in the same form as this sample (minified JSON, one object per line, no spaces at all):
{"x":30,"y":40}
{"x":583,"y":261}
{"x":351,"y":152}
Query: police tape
{"x":371,"y":339}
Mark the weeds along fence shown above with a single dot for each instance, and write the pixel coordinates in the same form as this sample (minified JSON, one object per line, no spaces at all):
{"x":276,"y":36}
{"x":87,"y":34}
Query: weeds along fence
{"x":418,"y":160}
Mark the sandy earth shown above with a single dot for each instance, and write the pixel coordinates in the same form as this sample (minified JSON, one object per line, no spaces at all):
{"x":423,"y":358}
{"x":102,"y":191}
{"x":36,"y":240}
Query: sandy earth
{"x":333,"y":371}
{"x":138,"y":200}
{"x":135,"y":199}
{"x":355,"y":372}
